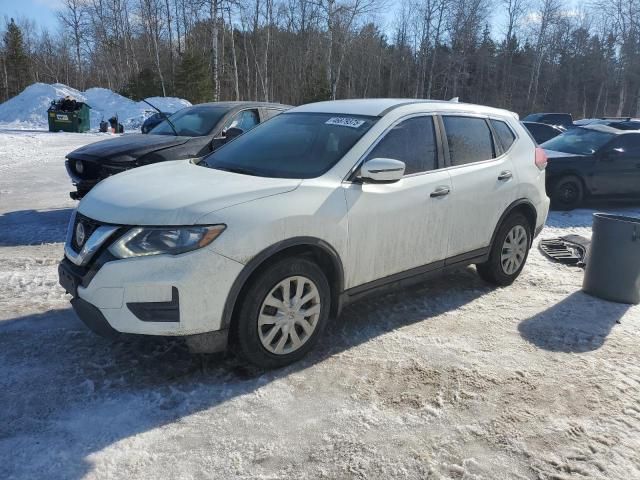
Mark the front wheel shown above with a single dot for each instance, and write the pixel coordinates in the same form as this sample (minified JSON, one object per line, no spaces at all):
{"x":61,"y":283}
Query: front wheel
{"x":508,"y":253}
{"x":283,"y":313}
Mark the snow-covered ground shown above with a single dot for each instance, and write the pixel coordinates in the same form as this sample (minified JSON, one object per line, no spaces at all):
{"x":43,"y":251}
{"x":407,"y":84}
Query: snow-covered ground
{"x":450,"y":380}
{"x":28,"y":110}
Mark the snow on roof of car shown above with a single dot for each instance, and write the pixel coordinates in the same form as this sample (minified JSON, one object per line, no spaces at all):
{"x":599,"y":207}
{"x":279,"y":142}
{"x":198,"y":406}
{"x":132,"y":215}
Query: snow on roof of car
{"x":607,"y":128}
{"x":377,"y":107}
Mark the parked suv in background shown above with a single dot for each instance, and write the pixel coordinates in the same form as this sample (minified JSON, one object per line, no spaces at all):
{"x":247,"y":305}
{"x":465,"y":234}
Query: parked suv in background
{"x":265,"y":239}
{"x":541,"y":132}
{"x":562,"y":120}
{"x":188,"y":133}
{"x":594,"y":161}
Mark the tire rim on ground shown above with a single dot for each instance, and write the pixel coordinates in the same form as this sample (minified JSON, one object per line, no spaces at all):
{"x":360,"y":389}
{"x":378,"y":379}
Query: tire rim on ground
{"x":289,"y":315}
{"x":514,"y":249}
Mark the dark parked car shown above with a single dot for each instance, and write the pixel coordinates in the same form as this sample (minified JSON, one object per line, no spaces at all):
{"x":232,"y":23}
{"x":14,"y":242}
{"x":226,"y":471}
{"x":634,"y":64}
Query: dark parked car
{"x":603,"y":121}
{"x":153,"y":120}
{"x":542,"y":132}
{"x":189,"y":133}
{"x":563,"y":120}
{"x":594,"y":161}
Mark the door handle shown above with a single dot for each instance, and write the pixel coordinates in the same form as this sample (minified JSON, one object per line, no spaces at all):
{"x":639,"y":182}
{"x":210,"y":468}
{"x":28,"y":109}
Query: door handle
{"x":440,"y":192}
{"x":505,"y":175}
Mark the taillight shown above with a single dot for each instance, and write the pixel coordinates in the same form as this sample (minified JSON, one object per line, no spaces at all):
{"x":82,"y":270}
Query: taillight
{"x":541,"y":158}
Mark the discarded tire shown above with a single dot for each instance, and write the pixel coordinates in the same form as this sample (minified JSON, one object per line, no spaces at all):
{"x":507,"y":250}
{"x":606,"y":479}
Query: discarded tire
{"x":613,"y":266}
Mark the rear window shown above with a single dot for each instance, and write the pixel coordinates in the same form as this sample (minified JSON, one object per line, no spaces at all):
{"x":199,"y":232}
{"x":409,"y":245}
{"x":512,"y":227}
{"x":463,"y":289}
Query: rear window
{"x":504,"y":133}
{"x":534,"y":117}
{"x":558,"y":119}
{"x":469,"y":139}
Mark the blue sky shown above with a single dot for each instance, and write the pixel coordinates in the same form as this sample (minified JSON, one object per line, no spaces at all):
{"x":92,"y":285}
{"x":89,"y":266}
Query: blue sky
{"x":42,"y":11}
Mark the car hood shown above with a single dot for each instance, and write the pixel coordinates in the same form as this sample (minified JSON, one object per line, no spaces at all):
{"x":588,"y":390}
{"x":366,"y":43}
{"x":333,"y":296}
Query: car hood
{"x":174,"y":193}
{"x":127,"y":147}
{"x":553,"y":154}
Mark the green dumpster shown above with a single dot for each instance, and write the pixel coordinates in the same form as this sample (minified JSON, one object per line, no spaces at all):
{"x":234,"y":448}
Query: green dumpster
{"x":68,"y":115}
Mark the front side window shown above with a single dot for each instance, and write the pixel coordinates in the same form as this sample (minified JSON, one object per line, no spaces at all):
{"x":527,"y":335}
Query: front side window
{"x":504,"y":133}
{"x":580,"y":141}
{"x":191,"y":122}
{"x":244,"y":120}
{"x":411,"y":141}
{"x":292,"y":145}
{"x":469,"y":139}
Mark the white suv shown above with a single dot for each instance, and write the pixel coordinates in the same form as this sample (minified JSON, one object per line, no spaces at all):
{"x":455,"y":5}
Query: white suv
{"x":258,"y":244}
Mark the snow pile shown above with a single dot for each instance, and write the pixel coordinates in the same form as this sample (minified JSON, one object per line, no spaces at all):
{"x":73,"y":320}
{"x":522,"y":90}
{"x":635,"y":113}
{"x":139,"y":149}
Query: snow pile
{"x":28,"y":110}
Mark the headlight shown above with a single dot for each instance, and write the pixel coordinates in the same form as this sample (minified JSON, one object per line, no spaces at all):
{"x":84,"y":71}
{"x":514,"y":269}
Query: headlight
{"x":79,"y":166}
{"x":141,"y":241}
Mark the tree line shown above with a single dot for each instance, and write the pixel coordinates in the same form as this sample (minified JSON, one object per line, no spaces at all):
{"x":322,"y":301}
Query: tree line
{"x":542,"y":55}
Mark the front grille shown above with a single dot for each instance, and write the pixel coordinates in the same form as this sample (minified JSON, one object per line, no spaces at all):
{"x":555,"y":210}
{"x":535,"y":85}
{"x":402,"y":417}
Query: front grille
{"x":90,"y":226}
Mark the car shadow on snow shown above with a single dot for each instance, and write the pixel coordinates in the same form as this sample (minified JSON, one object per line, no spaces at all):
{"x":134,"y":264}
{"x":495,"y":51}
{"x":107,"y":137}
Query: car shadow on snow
{"x":579,"y":323}
{"x":33,"y":227}
{"x":71,"y":394}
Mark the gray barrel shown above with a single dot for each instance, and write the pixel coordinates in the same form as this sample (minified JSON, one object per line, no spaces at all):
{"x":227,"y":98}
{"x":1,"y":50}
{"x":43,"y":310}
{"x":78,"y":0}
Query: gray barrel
{"x":613,"y":264}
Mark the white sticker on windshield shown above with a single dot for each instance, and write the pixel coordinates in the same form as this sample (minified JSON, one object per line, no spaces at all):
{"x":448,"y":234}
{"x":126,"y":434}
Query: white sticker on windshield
{"x":345,"y":122}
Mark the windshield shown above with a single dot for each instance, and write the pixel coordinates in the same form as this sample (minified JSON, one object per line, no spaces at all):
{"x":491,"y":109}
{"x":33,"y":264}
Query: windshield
{"x":581,"y":141}
{"x":191,"y":122}
{"x":292,"y":145}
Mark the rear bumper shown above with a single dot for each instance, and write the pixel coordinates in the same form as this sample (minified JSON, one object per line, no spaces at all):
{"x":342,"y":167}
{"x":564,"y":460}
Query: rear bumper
{"x":543,"y":211}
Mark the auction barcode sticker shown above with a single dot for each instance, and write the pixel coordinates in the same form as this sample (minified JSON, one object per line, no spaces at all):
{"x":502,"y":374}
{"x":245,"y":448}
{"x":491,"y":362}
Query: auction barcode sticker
{"x":345,"y":122}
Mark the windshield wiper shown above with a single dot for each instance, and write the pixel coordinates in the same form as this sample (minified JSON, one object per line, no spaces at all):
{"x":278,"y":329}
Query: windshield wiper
{"x":173,"y":127}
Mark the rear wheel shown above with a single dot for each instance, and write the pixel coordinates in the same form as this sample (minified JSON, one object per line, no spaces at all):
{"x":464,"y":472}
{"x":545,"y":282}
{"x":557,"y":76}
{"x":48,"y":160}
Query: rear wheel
{"x":283,"y":313}
{"x":508,"y":253}
{"x":567,"y":193}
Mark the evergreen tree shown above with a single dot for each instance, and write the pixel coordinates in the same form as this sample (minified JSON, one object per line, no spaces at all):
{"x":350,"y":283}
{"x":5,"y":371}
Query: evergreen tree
{"x":193,"y":79}
{"x":16,"y":62}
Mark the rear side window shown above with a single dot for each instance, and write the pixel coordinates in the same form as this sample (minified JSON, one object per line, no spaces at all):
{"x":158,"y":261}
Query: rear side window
{"x":411,"y":141}
{"x":504,"y":133}
{"x":469,"y":140}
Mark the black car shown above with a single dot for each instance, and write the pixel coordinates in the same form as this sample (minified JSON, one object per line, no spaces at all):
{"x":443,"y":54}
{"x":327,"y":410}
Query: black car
{"x":153,"y":120}
{"x":594,"y":161}
{"x":189,"y":133}
{"x":562,"y":120}
{"x":542,"y":132}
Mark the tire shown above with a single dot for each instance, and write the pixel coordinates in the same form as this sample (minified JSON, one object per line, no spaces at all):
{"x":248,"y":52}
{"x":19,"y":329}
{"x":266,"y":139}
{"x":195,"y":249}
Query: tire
{"x":264,"y":298}
{"x":498,"y":271}
{"x":567,"y":193}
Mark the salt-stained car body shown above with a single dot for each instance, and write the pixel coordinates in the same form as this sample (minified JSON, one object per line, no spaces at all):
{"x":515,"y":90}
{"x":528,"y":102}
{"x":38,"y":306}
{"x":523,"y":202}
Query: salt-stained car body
{"x":259,"y":243}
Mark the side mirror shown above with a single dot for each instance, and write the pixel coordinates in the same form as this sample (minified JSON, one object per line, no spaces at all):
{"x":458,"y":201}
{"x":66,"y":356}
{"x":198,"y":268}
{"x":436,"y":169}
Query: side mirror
{"x":232,"y":133}
{"x":382,"y":170}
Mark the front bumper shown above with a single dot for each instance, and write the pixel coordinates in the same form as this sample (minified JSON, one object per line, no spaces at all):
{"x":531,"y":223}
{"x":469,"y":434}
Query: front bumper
{"x":96,"y":171}
{"x":156,"y":295}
